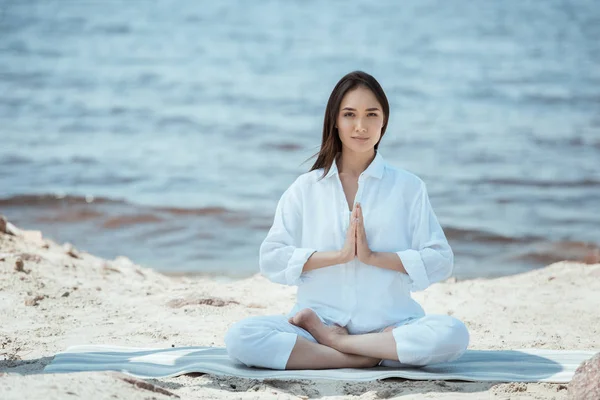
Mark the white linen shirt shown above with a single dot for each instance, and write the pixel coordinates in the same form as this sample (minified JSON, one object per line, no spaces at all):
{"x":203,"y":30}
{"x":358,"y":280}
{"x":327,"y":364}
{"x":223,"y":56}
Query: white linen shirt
{"x":312,"y":215}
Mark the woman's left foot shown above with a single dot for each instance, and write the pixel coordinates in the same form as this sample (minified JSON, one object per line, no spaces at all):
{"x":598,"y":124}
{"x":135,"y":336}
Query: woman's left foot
{"x":326,"y":335}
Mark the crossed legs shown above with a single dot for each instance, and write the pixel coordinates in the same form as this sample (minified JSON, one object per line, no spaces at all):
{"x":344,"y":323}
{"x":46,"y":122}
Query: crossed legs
{"x":305,"y":342}
{"x":365,"y":350}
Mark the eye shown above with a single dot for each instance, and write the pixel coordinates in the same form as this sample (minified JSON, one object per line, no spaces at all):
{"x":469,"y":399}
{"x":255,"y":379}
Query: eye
{"x":348,"y":114}
{"x":372,"y":114}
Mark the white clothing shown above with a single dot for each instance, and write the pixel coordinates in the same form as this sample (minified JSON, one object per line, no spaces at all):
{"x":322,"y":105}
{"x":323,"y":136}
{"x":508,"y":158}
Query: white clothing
{"x":313,"y":215}
{"x":267,"y":341}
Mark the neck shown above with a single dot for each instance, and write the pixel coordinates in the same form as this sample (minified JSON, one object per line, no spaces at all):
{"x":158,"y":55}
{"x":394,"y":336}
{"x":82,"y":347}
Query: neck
{"x":353,"y":163}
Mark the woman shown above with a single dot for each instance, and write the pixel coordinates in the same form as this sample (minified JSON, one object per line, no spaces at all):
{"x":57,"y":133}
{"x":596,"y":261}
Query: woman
{"x":356,"y":235}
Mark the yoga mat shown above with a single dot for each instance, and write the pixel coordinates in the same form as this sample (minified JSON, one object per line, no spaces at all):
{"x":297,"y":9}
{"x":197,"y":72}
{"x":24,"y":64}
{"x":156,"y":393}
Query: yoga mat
{"x":531,"y":365}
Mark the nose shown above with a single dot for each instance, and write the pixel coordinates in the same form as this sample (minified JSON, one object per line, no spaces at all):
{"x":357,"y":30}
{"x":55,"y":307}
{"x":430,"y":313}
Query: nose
{"x":359,"y":126}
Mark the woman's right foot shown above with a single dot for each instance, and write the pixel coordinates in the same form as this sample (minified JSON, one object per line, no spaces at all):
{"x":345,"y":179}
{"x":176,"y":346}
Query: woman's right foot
{"x":310,"y":321}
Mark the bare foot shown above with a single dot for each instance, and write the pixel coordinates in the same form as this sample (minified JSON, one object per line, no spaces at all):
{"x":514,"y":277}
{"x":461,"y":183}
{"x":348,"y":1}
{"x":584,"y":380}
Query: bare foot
{"x":326,"y":335}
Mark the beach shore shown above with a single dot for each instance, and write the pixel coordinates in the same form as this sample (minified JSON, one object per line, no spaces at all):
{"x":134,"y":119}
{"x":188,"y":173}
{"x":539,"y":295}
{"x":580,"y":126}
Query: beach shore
{"x":53,"y":296}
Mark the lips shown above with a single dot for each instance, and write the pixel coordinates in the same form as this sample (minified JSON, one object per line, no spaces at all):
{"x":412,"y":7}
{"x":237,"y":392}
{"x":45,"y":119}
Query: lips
{"x":361,"y":138}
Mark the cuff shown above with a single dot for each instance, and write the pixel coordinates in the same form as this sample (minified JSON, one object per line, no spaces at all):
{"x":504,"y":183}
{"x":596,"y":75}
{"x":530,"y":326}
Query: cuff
{"x":285,"y":343}
{"x":295,"y":265}
{"x":413,"y":264}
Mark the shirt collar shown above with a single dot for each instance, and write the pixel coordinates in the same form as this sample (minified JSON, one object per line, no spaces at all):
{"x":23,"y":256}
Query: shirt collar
{"x":375,"y":169}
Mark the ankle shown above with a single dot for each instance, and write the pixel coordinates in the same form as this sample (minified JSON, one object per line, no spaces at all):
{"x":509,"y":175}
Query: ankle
{"x":369,"y":362}
{"x":337,"y":342}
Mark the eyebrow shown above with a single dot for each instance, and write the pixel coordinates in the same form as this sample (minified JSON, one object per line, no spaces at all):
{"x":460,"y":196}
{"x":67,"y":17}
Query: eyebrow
{"x":368,"y":109}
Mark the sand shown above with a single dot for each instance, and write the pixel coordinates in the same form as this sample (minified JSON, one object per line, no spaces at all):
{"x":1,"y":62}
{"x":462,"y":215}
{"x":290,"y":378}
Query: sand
{"x":61,"y":296}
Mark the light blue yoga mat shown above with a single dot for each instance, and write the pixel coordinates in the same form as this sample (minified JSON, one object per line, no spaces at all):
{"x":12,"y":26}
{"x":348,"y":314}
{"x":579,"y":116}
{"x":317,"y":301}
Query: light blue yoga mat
{"x":532,"y":365}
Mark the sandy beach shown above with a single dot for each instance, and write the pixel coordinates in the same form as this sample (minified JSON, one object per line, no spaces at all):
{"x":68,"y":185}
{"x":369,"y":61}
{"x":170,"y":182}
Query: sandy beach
{"x":53,"y":296}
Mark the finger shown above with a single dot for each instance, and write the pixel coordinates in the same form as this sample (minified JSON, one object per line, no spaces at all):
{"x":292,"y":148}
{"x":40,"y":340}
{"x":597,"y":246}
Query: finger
{"x":355,"y":243}
{"x":352,"y":229}
{"x":361,"y":230}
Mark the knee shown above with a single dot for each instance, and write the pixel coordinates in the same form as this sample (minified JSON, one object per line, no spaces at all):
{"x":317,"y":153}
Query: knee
{"x":232,"y":339}
{"x":436,"y":339}
{"x":459,"y":335}
{"x":236,"y":339}
{"x":454,"y":340}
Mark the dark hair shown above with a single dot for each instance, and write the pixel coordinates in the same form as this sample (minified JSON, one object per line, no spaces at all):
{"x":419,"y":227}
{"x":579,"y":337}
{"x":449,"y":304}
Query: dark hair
{"x":331,"y":144}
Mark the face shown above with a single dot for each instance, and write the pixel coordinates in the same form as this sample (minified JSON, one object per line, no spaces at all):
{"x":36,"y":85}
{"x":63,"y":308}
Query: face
{"x":360,"y":120}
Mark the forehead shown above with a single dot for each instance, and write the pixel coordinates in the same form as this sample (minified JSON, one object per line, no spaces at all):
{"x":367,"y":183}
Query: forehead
{"x":360,"y":98}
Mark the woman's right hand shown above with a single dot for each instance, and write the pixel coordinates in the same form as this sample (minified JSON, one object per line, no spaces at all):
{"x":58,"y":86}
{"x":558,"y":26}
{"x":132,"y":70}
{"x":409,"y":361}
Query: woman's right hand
{"x":348,"y":252}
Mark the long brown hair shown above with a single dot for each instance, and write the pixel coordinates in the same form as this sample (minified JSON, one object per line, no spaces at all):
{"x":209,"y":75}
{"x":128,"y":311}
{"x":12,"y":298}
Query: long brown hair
{"x":331,"y":144}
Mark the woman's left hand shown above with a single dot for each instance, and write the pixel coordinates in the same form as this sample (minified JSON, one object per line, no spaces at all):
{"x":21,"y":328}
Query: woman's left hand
{"x":362,"y":246}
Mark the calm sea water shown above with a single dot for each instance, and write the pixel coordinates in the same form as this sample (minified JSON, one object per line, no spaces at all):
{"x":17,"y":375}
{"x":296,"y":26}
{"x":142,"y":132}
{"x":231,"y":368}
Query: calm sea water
{"x":167,"y":130}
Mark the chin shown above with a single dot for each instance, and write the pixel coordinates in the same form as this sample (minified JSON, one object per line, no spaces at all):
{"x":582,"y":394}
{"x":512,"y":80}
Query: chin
{"x":362,"y":148}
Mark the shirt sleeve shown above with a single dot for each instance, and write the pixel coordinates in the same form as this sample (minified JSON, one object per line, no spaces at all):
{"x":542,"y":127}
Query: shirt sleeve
{"x":430,"y":258}
{"x":280,"y":258}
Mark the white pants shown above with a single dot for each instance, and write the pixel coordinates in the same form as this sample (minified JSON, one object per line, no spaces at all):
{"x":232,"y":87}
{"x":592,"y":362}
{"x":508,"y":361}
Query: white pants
{"x":267,"y":341}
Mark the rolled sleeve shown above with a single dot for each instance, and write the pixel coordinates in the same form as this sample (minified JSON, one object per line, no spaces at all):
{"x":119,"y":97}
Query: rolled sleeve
{"x":293,"y":271}
{"x":281,"y":258}
{"x":430,"y":258}
{"x":415,"y":268}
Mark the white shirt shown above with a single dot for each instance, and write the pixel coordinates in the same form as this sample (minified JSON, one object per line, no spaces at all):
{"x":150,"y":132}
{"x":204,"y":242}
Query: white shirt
{"x":312,"y":215}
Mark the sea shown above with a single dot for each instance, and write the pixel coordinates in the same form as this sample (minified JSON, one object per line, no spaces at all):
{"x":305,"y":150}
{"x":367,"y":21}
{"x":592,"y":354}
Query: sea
{"x":166,"y":131}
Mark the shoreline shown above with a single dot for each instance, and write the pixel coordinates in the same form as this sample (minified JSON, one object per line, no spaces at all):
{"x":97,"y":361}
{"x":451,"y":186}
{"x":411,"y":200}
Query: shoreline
{"x":199,"y":240}
{"x":61,"y":297}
